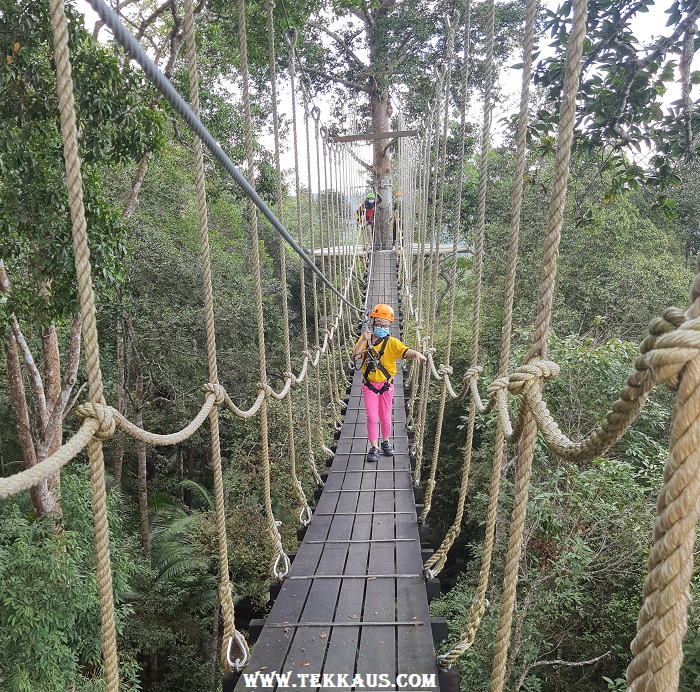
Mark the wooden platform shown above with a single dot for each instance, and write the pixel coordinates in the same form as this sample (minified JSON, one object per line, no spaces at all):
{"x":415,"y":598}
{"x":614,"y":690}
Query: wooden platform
{"x":355,"y":600}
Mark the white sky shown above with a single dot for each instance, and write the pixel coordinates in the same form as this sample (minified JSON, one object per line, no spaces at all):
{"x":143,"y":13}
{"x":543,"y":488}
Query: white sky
{"x":646,"y":26}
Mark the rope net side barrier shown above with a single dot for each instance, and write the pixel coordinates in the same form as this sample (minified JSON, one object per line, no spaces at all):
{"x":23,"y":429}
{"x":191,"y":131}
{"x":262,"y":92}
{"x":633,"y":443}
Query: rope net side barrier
{"x":340,"y":241}
{"x":657,"y":647}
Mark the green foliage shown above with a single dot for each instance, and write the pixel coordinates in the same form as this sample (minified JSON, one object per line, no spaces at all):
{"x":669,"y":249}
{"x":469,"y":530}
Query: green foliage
{"x":116,"y":123}
{"x":622,"y":93}
{"x":404,"y":42}
{"x":49,"y":609}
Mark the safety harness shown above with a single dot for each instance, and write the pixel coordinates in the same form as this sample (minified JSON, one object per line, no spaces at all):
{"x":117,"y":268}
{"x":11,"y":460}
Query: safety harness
{"x":371,"y":361}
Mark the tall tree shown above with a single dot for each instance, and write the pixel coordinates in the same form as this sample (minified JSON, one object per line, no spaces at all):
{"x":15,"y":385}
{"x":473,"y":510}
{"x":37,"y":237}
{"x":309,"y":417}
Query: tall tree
{"x":386,"y":53}
{"x":37,"y":274}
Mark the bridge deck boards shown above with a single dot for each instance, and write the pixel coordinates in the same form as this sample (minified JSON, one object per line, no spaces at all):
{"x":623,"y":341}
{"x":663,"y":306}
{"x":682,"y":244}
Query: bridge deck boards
{"x":363,"y":509}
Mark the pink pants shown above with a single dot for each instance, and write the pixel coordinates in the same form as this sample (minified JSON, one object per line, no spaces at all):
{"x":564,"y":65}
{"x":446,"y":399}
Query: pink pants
{"x":378,"y":407}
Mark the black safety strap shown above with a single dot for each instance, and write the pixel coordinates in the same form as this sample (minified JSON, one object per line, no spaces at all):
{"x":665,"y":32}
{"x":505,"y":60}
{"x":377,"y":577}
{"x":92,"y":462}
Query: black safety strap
{"x":366,"y":370}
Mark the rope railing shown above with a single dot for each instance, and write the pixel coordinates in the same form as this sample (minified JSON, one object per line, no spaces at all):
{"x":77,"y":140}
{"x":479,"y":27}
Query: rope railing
{"x":100,"y":421}
{"x":668,"y":351}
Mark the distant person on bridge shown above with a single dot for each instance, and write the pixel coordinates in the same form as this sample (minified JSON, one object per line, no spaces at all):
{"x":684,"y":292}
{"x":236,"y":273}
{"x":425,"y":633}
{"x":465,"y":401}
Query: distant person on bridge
{"x":369,"y":205}
{"x":396,"y":215}
{"x":378,"y":353}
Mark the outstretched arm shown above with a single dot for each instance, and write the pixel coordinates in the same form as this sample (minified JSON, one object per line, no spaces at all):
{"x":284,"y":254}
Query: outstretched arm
{"x":412,"y":353}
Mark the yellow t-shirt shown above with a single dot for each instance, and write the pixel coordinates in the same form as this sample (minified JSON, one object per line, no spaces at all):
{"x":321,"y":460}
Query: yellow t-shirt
{"x":393,"y":350}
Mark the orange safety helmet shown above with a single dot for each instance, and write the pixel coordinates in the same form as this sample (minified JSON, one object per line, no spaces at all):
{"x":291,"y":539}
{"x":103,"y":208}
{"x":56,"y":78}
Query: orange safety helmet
{"x":383,"y":311}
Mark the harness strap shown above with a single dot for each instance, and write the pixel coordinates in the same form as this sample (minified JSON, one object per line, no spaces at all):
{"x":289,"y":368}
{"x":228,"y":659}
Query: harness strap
{"x":366,"y":370}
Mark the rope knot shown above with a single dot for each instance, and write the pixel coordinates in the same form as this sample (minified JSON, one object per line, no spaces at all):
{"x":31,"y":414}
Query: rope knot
{"x":672,"y":351}
{"x":534,"y":370}
{"x":217,"y":390}
{"x":265,"y":388}
{"x":445,"y":370}
{"x":473,"y":372}
{"x":103,"y":415}
{"x":498,"y":385}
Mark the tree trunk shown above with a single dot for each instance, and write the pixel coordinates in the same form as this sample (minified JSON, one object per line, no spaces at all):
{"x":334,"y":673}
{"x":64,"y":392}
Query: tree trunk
{"x":43,"y":499}
{"x":120,"y":436}
{"x":52,"y":391}
{"x":133,"y":200}
{"x":382,"y":168}
{"x":141,"y":453}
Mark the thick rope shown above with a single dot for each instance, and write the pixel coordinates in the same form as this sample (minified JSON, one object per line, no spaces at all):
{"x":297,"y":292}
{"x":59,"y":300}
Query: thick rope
{"x":479,"y":603}
{"x":425,"y":303}
{"x":66,"y":107}
{"x":281,"y":565}
{"x":449,"y":55}
{"x":291,"y":43}
{"x":437,"y":560}
{"x":303,"y":506}
{"x":662,"y":623}
{"x":539,"y":347}
{"x":225,"y":596}
{"x":319,"y":423}
{"x":443,"y":389}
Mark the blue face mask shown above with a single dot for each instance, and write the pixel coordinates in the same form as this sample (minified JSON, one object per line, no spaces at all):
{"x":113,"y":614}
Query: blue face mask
{"x":381,"y":332}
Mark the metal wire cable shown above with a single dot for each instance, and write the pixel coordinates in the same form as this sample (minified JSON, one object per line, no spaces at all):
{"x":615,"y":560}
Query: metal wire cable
{"x":168,"y":91}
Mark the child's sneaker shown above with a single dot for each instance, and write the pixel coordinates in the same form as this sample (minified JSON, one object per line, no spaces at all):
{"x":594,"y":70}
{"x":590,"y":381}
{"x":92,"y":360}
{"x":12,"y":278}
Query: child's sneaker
{"x":387,"y":449}
{"x":373,"y":454}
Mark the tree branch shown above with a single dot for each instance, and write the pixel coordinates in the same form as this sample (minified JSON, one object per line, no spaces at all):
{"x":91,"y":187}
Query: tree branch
{"x":34,"y":374}
{"x":364,"y":15}
{"x":339,"y":80}
{"x":556,"y":662}
{"x":151,"y":18}
{"x":339,"y":40}
{"x":51,"y":427}
{"x":559,"y":662}
{"x":175,"y":37}
{"x":613,"y":38}
{"x":74,"y":400}
{"x":637,"y":65}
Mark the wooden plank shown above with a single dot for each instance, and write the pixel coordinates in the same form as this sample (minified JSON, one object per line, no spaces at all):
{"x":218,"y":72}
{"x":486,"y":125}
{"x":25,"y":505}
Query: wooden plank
{"x":364,"y":525}
{"x":375,"y":135}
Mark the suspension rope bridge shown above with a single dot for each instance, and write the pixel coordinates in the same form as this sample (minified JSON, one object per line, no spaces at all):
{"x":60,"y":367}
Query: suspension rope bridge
{"x":353,"y":601}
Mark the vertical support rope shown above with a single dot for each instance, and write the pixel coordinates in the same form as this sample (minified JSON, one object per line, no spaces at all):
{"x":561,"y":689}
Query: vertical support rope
{"x":451,"y":28}
{"x":303,"y":507}
{"x":282,"y":557}
{"x":225,"y":597}
{"x":478,"y":607}
{"x":539,"y":347}
{"x":429,"y":322}
{"x":436,"y":562}
{"x":324,"y":231}
{"x":426,"y":302}
{"x":81,"y":251}
{"x":291,"y":42}
{"x":317,"y":357}
{"x":428,"y":496}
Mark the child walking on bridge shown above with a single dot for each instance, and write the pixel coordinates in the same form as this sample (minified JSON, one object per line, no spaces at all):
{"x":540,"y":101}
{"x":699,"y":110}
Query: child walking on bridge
{"x":379,"y":353}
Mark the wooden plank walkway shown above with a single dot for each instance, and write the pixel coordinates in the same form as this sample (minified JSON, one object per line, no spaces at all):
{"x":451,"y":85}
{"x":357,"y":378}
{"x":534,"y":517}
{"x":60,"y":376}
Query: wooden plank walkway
{"x":355,"y":600}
